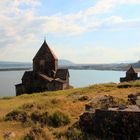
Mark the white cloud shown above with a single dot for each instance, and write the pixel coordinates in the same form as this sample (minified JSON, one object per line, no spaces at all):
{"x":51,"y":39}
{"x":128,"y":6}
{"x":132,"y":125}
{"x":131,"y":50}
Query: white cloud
{"x":17,"y":21}
{"x":107,"y":5}
{"x":129,"y":1}
{"x":101,"y":7}
{"x":100,"y":54}
{"x":21,"y":27}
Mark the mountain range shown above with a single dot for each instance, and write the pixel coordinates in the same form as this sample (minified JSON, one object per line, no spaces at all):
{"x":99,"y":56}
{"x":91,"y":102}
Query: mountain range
{"x":28,"y":65}
{"x":4,"y":65}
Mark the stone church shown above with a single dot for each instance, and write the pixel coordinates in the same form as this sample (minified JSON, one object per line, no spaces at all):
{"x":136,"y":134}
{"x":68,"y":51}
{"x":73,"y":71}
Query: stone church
{"x":131,"y":75}
{"x":45,"y":76}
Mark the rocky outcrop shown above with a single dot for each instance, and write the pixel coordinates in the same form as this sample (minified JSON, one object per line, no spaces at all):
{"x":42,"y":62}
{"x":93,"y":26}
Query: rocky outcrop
{"x":120,"y":122}
{"x":103,"y":102}
{"x":116,"y":124}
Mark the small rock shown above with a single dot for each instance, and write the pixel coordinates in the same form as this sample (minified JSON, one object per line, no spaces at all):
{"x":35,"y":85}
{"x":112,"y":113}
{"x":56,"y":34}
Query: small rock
{"x":122,"y":107}
{"x":134,"y":108}
{"x":138,"y":103}
{"x":83,"y":98}
{"x":132,"y":98}
{"x":89,"y":107}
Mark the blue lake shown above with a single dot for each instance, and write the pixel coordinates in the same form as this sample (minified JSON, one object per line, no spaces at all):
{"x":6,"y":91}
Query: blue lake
{"x":78,"y":78}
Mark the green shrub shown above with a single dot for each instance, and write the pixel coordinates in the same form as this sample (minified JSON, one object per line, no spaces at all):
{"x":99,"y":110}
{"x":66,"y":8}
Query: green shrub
{"x":7,"y":98}
{"x":74,"y":134}
{"x":16,"y":115}
{"x":124,"y":85}
{"x":44,"y":119}
{"x":41,"y":118}
{"x":28,"y":137}
{"x":136,"y":83}
{"x":58,"y":135}
{"x":35,"y":116}
{"x":27,"y":106}
{"x":83,"y":98}
{"x":37,"y":133}
{"x":59,"y":119}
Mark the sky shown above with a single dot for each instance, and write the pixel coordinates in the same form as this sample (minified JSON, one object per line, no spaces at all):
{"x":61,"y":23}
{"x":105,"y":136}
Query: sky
{"x":82,"y":31}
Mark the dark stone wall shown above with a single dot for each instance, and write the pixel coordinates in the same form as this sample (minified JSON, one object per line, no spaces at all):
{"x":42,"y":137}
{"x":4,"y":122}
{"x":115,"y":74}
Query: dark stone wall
{"x":129,"y":77}
{"x":117,"y":125}
{"x":20,"y":89}
{"x":37,"y":84}
{"x":45,"y":61}
{"x":45,"y":67}
{"x":34,"y":84}
{"x":54,"y":85}
{"x":132,"y":75}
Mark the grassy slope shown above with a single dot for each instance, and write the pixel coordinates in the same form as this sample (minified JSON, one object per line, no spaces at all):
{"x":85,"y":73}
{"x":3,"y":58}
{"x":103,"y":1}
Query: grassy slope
{"x":66,"y":101}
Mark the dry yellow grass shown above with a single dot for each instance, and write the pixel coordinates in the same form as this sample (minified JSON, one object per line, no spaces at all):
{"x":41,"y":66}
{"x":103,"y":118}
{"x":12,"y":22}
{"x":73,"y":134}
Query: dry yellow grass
{"x":66,"y":101}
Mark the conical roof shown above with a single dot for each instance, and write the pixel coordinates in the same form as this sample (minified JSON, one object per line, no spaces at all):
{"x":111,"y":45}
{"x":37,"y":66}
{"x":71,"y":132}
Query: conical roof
{"x":131,"y":70}
{"x":45,"y":49}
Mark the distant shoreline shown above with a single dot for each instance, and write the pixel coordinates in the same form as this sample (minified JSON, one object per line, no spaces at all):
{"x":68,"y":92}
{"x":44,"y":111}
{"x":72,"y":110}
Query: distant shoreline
{"x":73,"y":68}
{"x":14,"y":69}
{"x":23,"y":69}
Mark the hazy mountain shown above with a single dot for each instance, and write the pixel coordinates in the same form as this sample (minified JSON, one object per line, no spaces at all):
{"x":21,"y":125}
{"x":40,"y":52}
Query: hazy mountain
{"x":137,"y":64}
{"x":63,"y":62}
{"x":70,"y":65}
{"x":10,"y":65}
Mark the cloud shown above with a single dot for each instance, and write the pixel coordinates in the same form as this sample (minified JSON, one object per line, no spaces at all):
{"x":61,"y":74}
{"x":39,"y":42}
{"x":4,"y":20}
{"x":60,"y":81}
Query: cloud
{"x":21,"y":26}
{"x":89,"y":19}
{"x":101,"y":7}
{"x":100,"y":54}
{"x":16,"y":20}
{"x":107,"y":5}
{"x":106,"y":54}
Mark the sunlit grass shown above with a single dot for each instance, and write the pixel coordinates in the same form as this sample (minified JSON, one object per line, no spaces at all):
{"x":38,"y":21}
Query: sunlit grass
{"x":68,"y":102}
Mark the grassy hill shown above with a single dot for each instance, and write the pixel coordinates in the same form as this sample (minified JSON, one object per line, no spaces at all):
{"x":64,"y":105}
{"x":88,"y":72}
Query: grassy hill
{"x":53,"y":112}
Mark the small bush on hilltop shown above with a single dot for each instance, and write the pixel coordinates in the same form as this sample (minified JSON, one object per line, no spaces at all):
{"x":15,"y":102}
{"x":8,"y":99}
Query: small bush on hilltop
{"x":56,"y":119}
{"x":74,"y":134}
{"x":124,"y":85}
{"x":16,"y":115}
{"x":27,"y":106}
{"x":83,"y":98}
{"x":37,"y":133}
{"x":59,"y":119}
{"x":35,"y":116}
{"x":129,"y":84}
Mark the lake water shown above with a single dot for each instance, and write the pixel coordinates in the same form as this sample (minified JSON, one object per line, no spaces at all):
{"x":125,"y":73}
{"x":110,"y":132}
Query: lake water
{"x":78,"y":78}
